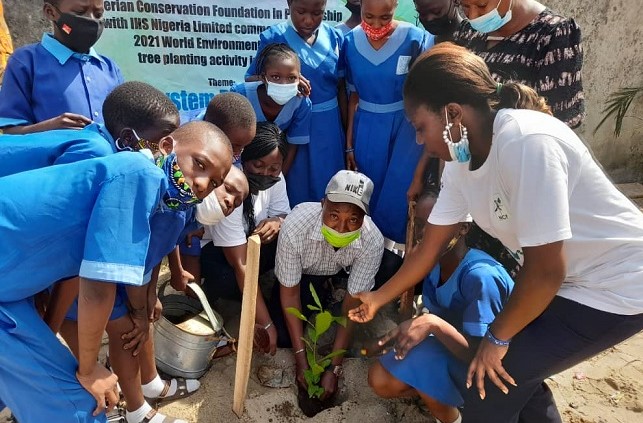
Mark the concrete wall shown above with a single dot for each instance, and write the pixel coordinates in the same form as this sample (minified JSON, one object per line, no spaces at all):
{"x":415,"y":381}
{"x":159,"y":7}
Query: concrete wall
{"x":613,"y":42}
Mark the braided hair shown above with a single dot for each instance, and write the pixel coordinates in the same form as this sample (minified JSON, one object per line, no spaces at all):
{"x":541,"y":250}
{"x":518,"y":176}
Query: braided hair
{"x":273,"y":52}
{"x":269,"y":137}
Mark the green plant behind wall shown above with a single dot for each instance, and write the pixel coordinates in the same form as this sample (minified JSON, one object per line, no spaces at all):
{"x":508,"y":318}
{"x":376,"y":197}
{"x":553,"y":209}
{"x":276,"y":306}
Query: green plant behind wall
{"x":316,"y":363}
{"x":617,"y":105}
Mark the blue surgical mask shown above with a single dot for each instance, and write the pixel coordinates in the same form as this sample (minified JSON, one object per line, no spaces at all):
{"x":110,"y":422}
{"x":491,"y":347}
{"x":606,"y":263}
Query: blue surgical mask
{"x":178,"y":196}
{"x":490,"y":22}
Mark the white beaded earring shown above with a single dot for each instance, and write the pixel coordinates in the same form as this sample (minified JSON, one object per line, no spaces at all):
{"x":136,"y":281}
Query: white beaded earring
{"x":459,"y":151}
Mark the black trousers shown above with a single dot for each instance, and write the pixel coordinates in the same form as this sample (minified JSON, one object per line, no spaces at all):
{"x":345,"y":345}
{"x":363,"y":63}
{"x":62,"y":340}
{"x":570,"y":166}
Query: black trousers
{"x":565,"y":334}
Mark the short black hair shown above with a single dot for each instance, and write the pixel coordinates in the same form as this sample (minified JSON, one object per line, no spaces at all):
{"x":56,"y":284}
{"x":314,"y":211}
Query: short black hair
{"x":272,"y":52}
{"x":135,"y":104}
{"x":230,"y":111}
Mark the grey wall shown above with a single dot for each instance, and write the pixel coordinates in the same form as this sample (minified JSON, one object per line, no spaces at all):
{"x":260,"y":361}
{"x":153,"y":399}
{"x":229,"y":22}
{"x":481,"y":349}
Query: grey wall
{"x":613,"y":42}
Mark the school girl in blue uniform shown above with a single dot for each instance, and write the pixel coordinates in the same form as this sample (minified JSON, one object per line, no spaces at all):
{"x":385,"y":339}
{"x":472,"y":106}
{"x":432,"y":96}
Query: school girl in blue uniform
{"x":317,"y":44}
{"x":60,"y":82}
{"x":461,"y":296}
{"x":275,"y":99}
{"x":380,"y":139}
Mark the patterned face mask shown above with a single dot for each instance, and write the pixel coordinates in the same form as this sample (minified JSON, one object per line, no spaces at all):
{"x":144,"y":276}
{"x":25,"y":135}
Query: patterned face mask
{"x":178,"y":196}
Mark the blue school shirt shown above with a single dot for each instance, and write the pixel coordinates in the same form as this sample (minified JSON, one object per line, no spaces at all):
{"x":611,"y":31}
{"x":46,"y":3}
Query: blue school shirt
{"x":47,"y":79}
{"x":472,"y":296}
{"x":19,"y":153}
{"x":319,"y":62}
{"x":90,"y":218}
{"x":293,"y":119}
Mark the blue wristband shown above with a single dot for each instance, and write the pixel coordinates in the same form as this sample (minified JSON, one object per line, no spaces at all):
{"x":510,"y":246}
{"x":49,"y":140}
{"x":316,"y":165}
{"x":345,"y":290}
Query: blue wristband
{"x":495,"y":341}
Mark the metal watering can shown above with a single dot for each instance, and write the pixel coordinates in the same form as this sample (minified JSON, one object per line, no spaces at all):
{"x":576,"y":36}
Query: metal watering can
{"x":187,"y":335}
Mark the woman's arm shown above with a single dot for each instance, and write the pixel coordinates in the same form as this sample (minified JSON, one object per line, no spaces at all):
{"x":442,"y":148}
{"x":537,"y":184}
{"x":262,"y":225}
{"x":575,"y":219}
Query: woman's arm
{"x":415,"y":267}
{"x":536,"y":286}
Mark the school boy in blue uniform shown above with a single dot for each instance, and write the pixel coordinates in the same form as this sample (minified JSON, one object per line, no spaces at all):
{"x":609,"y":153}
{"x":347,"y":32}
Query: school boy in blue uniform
{"x":60,"y":82}
{"x":137,"y":116}
{"x":105,"y":241}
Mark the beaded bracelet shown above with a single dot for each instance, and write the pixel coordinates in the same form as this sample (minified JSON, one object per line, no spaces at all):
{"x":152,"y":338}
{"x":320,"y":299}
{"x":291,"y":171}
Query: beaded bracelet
{"x":349,"y":150}
{"x":491,"y":338}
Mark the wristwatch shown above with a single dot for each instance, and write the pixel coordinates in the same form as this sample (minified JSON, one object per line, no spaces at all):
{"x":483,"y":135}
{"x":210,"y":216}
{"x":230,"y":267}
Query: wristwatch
{"x":338,"y":370}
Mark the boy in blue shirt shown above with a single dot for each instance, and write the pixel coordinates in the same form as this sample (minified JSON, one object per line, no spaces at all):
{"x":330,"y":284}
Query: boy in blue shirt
{"x":60,"y":82}
{"x":106,"y":241}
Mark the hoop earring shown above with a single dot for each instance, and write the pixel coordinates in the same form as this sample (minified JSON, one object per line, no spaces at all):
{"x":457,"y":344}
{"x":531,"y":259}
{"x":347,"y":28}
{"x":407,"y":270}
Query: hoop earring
{"x":459,"y":151}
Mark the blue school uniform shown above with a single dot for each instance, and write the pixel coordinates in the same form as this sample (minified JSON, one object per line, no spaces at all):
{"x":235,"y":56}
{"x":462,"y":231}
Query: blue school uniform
{"x":90,"y":218}
{"x":294,"y":119}
{"x":470,"y":300}
{"x":19,"y":153}
{"x":47,"y":79}
{"x":317,"y":162}
{"x":383,"y":138}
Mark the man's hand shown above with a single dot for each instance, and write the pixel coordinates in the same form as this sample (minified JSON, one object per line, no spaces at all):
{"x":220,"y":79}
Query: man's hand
{"x":135,"y":339}
{"x":329,"y":382}
{"x":367,"y":310}
{"x":101,"y":384}
{"x":268,"y":229}
{"x":301,"y":365}
{"x":407,"y":335}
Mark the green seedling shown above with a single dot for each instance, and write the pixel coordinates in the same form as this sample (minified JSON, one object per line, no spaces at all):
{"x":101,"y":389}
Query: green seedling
{"x":322,"y":322}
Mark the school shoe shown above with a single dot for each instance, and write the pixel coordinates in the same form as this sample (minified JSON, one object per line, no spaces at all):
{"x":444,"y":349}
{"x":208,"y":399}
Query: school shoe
{"x":181,"y":392}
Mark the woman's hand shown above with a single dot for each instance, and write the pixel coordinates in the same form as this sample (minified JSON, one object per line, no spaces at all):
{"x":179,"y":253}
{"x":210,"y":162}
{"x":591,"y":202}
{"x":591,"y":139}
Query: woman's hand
{"x":301,"y":365}
{"x":488,"y":362}
{"x":367,"y":310}
{"x":65,"y":121}
{"x":407,"y":335}
{"x":414,"y":190}
{"x":101,"y":384}
{"x":135,"y":338}
{"x":268,"y":229}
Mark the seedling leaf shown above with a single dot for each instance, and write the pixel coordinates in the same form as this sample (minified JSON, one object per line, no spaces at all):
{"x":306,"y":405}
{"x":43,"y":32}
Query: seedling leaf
{"x":296,"y":313}
{"x":315,"y":297}
{"x":323,"y":321}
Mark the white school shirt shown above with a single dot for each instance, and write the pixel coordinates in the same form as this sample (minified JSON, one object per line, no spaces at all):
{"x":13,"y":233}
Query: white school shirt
{"x":540,"y":184}
{"x":231,"y":231}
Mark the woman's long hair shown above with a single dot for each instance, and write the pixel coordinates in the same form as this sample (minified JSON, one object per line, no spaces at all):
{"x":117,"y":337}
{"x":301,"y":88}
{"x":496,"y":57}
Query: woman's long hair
{"x":448,"y":73}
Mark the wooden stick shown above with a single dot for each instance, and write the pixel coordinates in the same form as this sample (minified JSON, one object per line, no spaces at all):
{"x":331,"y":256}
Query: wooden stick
{"x":406,"y":300}
{"x":246,"y":328}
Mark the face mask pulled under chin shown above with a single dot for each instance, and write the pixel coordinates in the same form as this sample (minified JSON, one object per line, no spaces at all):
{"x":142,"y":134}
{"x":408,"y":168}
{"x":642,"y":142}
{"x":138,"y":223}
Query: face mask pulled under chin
{"x":339,"y":239}
{"x":79,"y":33}
{"x":282,"y":93}
{"x":179,"y":195}
{"x":491,"y":21}
{"x":209,"y":212}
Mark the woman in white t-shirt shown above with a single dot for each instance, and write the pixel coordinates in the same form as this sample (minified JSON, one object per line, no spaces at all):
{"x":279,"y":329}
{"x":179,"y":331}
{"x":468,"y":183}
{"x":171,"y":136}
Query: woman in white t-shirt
{"x":223,"y":259}
{"x":529,"y":181}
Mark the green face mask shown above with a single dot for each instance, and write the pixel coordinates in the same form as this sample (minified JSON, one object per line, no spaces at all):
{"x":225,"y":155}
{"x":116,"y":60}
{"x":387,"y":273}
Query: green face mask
{"x":338,"y":239}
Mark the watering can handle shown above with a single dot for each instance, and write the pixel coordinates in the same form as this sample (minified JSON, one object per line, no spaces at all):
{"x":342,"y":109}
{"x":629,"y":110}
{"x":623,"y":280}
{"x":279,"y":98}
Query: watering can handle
{"x":214,"y":321}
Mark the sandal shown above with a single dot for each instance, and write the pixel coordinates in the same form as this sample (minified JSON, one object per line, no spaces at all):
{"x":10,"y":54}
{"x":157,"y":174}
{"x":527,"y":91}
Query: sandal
{"x":181,"y":392}
{"x":152,"y":413}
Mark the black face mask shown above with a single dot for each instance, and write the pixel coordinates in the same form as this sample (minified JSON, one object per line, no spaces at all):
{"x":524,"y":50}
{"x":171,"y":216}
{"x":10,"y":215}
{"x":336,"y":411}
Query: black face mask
{"x":78,"y":32}
{"x":261,"y":182}
{"x":439,"y":26}
{"x":353,"y":8}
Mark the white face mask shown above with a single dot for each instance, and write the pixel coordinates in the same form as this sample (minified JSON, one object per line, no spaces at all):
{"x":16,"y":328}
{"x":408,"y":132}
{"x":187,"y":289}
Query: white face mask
{"x":209,"y":212}
{"x":490,"y":22}
{"x":282,"y":93}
